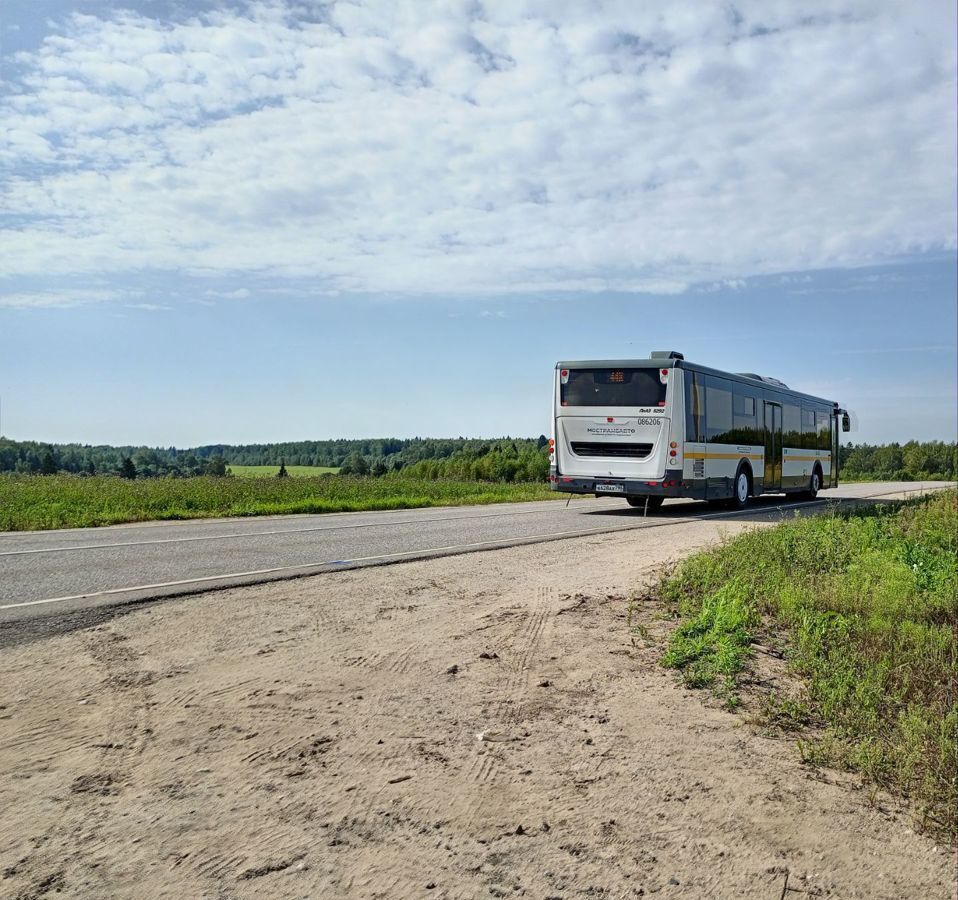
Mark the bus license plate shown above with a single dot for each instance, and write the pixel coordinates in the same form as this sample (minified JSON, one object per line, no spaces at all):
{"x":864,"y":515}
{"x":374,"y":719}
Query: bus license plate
{"x":610,"y":488}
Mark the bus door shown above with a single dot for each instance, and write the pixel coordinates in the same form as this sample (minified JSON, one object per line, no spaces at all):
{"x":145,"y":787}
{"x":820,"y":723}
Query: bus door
{"x":773,"y":447}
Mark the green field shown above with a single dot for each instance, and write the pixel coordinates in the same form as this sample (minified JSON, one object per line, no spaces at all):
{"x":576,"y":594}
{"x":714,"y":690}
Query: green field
{"x":32,"y":502}
{"x":864,"y":607}
{"x":269,"y":471}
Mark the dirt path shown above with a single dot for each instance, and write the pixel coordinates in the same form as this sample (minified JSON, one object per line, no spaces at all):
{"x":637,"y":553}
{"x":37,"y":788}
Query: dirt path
{"x":319,"y":739}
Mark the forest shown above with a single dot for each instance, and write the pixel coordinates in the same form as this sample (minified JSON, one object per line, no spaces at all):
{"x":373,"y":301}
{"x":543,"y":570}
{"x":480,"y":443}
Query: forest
{"x":470,"y":459}
{"x":502,"y":459}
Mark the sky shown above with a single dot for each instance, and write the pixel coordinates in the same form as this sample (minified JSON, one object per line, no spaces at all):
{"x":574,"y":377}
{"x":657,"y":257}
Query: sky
{"x":254,"y":221}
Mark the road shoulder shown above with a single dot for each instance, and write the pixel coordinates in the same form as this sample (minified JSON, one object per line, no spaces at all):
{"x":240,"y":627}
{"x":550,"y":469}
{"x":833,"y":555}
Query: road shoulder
{"x":319,"y":738}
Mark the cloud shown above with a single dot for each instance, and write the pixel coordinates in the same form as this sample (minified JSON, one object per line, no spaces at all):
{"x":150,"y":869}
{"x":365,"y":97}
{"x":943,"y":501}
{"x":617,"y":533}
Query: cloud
{"x":238,"y":294}
{"x":61,"y":299}
{"x":728,"y":284}
{"x":149,"y":307}
{"x":457,"y":148}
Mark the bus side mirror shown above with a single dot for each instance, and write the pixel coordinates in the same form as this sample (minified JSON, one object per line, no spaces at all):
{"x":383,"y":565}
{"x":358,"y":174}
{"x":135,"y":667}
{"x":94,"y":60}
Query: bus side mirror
{"x":846,"y":421}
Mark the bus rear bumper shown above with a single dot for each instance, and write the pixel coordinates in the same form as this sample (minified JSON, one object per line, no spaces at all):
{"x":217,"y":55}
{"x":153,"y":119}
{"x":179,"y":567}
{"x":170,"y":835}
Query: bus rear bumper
{"x":671,"y":485}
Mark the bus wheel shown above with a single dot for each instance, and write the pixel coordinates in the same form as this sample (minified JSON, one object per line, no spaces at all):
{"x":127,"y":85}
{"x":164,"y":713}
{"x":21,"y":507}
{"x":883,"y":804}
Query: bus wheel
{"x":814,"y":485}
{"x":639,"y":502}
{"x":742,"y":488}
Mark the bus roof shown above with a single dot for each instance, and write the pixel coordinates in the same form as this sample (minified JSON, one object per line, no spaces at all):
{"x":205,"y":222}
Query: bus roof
{"x":691,"y":366}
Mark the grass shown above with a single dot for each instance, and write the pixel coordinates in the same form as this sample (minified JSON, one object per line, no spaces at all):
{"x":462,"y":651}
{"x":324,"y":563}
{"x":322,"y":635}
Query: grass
{"x":873,"y":477}
{"x":269,"y":471}
{"x":33,"y":502}
{"x":865,"y":603}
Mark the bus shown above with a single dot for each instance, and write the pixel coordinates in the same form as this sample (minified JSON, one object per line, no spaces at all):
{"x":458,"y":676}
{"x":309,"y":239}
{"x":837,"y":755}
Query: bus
{"x":650,"y":429}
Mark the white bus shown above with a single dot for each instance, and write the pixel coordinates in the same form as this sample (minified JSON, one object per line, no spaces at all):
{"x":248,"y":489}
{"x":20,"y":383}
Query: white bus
{"x":648,"y":429}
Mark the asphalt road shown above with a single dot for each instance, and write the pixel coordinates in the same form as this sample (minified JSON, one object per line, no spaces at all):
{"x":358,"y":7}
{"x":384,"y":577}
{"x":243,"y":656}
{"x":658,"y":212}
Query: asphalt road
{"x":57,"y":572}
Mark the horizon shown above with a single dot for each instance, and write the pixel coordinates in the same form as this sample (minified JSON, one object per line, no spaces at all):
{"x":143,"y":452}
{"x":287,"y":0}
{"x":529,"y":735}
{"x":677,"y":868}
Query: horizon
{"x":481,"y":439}
{"x":257,"y":220}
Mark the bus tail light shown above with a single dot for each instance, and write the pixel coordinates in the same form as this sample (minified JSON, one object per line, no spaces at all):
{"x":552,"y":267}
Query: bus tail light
{"x":564,"y":376}
{"x":664,"y":376}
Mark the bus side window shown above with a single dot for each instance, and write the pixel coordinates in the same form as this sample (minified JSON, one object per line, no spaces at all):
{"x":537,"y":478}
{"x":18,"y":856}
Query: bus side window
{"x":694,"y":407}
{"x":823,"y":419}
{"x":718,"y":410}
{"x":791,"y":426}
{"x":744,"y":422}
{"x":809,"y":433}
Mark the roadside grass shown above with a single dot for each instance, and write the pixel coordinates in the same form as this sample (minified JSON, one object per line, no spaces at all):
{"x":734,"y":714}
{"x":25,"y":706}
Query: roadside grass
{"x":865,"y":602}
{"x":876,"y":478}
{"x":270,"y":471}
{"x":33,"y":502}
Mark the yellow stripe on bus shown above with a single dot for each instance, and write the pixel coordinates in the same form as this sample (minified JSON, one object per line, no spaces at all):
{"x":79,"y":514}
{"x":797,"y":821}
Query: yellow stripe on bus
{"x":696,"y":455}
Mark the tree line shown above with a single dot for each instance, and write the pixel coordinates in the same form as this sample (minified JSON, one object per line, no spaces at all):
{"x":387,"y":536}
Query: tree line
{"x":377,"y":456}
{"x":502,"y":460}
{"x":35,"y":458}
{"x":506,"y":460}
{"x":912,"y":461}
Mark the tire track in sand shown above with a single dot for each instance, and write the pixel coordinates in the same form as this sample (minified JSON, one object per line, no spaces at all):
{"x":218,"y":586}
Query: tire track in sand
{"x":125,"y":690}
{"x":518,"y":648}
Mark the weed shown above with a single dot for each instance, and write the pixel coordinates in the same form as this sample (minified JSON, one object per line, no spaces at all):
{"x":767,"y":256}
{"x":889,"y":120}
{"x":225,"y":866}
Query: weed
{"x":785,"y":713}
{"x":270,"y":471}
{"x":67,"y":501}
{"x":867,"y":603}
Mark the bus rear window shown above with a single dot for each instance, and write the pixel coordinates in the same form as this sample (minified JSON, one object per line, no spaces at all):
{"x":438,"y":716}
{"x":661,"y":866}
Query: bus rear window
{"x":613,"y":387}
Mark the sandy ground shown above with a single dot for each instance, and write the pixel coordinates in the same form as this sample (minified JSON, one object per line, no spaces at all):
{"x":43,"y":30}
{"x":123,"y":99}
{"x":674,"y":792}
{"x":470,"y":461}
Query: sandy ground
{"x":319,"y":739}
